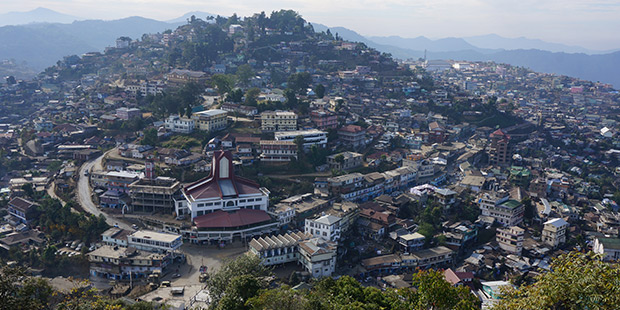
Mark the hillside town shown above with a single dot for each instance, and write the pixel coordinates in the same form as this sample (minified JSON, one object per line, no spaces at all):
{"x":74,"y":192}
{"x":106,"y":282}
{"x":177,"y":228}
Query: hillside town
{"x":145,"y":167}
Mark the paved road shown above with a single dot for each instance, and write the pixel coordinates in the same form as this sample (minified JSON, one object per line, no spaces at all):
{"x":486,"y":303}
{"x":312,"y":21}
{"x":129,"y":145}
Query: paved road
{"x":84,"y":192}
{"x":51,"y":191}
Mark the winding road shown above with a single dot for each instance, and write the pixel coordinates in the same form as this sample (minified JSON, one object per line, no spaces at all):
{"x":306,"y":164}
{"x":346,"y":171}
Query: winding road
{"x":84,"y":192}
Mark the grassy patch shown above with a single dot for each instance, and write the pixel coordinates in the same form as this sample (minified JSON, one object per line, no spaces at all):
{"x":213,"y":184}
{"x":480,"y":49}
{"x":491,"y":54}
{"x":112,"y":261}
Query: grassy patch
{"x":181,"y":142}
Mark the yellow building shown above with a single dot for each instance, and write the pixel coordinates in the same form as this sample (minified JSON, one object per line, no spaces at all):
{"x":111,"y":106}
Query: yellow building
{"x":211,"y":120}
{"x":278,"y":121}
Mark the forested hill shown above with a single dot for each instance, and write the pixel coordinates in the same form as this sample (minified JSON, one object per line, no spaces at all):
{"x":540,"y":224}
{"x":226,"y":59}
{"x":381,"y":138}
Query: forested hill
{"x":284,"y":35}
{"x":282,"y":43}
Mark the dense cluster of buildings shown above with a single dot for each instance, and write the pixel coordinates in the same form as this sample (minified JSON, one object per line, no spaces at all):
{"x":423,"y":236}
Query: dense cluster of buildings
{"x":516,"y":168}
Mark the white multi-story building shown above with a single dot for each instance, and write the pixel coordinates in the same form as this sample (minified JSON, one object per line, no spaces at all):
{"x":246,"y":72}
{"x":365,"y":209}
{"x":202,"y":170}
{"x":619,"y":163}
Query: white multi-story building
{"x":498,"y":205}
{"x":178,"y":124}
{"x":284,"y":213}
{"x":156,"y":242}
{"x":277,"y":151}
{"x":222,"y":190}
{"x":278,"y":249}
{"x":311,"y":137}
{"x":326,"y":227}
{"x":318,"y":257}
{"x":115,"y":237}
{"x":554,"y":232}
{"x":278,"y":121}
{"x":510,"y":239}
{"x":211,"y":120}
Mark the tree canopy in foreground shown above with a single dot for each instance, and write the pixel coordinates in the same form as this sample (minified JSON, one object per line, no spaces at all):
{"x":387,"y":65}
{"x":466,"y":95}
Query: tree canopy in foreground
{"x":576,"y":281}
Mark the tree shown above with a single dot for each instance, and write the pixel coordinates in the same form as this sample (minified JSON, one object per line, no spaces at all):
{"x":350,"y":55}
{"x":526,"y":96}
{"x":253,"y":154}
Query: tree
{"x":223,"y":83}
{"x":251,"y":96}
{"x":240,"y":290}
{"x":150,"y":137}
{"x":319,"y":90}
{"x":282,"y":298}
{"x":530,"y":210}
{"x":299,"y":141}
{"x":291,"y":98}
{"x":227,"y":281}
{"x":339,"y":159}
{"x":235,"y":95}
{"x":244,"y":74}
{"x":10,"y":80}
{"x":576,"y":281}
{"x":299,"y":82}
{"x":17,"y":291}
{"x":434,"y":292}
{"x":28,"y":190}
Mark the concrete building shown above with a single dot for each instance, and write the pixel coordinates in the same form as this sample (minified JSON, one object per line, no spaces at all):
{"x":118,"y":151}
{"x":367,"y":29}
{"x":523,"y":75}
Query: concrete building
{"x":554,"y":232}
{"x":154,"y":195}
{"x":350,"y":160}
{"x":352,"y":135}
{"x":280,"y":249}
{"x":125,"y":264}
{"x":273,"y":151}
{"x":498,"y":151}
{"x":411,"y":242}
{"x":155,"y":242}
{"x":278,"y":121}
{"x":510,"y":239}
{"x":115,"y":236}
{"x":300,"y":207}
{"x":318,"y":257}
{"x":324,"y":120}
{"x":326,"y":227}
{"x":179,"y":124}
{"x":211,"y":120}
{"x":222,"y":190}
{"x":128,"y":113}
{"x":119,"y":181}
{"x":497,"y":204}
{"x":311,"y":137}
{"x":181,"y":76}
{"x":428,"y":258}
{"x":226,"y":226}
{"x":23,"y":210}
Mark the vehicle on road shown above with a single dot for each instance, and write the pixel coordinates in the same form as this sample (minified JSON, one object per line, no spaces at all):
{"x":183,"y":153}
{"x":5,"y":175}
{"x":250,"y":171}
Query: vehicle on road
{"x":176,"y":275}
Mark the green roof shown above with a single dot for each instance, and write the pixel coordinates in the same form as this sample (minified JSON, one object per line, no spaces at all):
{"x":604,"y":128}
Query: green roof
{"x":610,"y":243}
{"x":510,"y":203}
{"x":519,"y":171}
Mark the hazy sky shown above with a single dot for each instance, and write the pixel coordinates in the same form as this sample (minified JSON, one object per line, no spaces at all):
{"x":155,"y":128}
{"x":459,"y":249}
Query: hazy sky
{"x":593,"y":24}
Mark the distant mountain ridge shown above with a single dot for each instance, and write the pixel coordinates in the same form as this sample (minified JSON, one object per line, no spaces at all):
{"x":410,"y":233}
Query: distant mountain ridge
{"x":494,"y":41}
{"x":38,"y":15}
{"x":42,"y":45}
